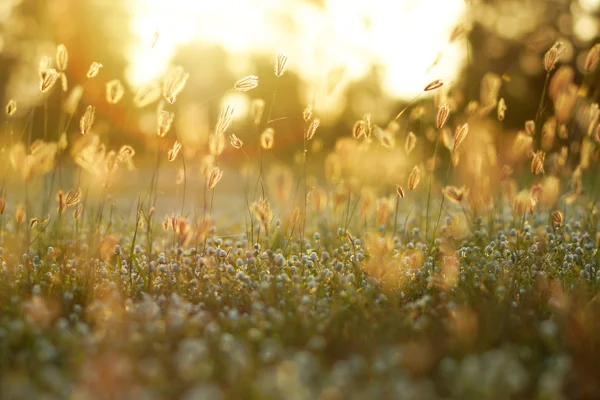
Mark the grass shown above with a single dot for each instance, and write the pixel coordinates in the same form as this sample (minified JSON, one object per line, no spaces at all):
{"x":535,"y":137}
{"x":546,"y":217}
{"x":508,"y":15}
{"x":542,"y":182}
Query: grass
{"x":346,"y":298}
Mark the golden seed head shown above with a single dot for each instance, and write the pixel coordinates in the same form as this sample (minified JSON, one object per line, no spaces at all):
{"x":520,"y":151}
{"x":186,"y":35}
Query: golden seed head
{"x":537,"y":162}
{"x":530,"y":127}
{"x":312,"y":128}
{"x":455,"y":194}
{"x":368,"y":125}
{"x":257,"y":107}
{"x":174,"y":83}
{"x":48,"y":78}
{"x":64,"y":84}
{"x":33,"y":222}
{"x":114,"y":91}
{"x":414,"y":178}
{"x":125,"y":154}
{"x":591,"y":61}
{"x":173,"y":151}
{"x":216,"y":144}
{"x":11,"y":108}
{"x":460,"y":135}
{"x":411,"y":142}
{"x":77,"y":212}
{"x":267,"y":138}
{"x":246,"y":83}
{"x":165,"y":120}
{"x":280,"y":64}
{"x":147,"y":94}
{"x":553,"y":55}
{"x":224,"y":121}
{"x":62,"y":57}
{"x":442,"y":116}
{"x":87,"y":120}
{"x":261,"y":209}
{"x":73,"y":197}
{"x":94,"y":69}
{"x":214,"y":177}
{"x":433,"y":85}
{"x":307,"y":113}
{"x":235,"y":141}
{"x":501,"y":109}
{"x":557,"y":217}
{"x":399,"y":191}
{"x":20,"y":213}
{"x":359,"y":129}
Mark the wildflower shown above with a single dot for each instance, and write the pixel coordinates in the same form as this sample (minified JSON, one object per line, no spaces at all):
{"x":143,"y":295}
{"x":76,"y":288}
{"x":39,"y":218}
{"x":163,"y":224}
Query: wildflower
{"x":442,"y":115}
{"x":246,"y":83}
{"x":460,"y":135}
{"x":280,"y":64}
{"x":87,"y":120}
{"x":267,"y":138}
{"x":414,"y":178}
{"x":62,"y":57}
{"x":165,"y":119}
{"x":114,"y":91}
{"x":537,"y":163}
{"x":235,"y":141}
{"x":11,"y":108}
{"x":173,"y":151}
{"x":214,"y":177}
{"x":433,"y":85}
{"x":94,"y":69}
{"x":312,"y":128}
{"x":411,"y":142}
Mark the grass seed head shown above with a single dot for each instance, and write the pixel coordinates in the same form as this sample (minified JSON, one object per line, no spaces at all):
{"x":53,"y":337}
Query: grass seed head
{"x":537,"y":162}
{"x":114,"y":91}
{"x":434,"y":85}
{"x":591,"y":61}
{"x":530,"y":127}
{"x":410,"y":143}
{"x":48,"y":78}
{"x":62,"y":57}
{"x":280,"y":64}
{"x":11,"y":108}
{"x":174,"y":151}
{"x":359,"y":129}
{"x":125,"y":154}
{"x":214,"y":177}
{"x":312,"y":128}
{"x":460,"y":135}
{"x":87,"y":120}
{"x":414,"y":178}
{"x":94,"y":70}
{"x":307,"y":113}
{"x":235,"y":141}
{"x":261,"y":209}
{"x":501,"y":109}
{"x":557,"y":217}
{"x":246,"y":83}
{"x":173,"y":83}
{"x":64,"y":84}
{"x":455,"y":194}
{"x":20,"y":213}
{"x":165,"y":120}
{"x":267,"y":138}
{"x":224,"y":121}
{"x":400,"y":191}
{"x":216,"y":144}
{"x":147,"y":94}
{"x":442,"y":116}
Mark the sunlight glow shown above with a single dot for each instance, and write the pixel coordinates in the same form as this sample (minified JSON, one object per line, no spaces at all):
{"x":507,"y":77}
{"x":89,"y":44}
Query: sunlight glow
{"x":404,"y":37}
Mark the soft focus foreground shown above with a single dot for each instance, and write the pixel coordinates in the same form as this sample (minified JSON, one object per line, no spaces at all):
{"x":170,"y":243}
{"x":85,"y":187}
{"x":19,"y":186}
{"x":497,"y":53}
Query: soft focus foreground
{"x":166,"y":234}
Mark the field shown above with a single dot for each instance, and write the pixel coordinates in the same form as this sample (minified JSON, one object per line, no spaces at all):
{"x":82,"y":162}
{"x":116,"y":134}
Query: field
{"x":430,"y":254}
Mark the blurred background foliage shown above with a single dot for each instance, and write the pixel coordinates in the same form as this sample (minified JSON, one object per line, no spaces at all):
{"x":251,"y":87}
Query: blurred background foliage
{"x":348,"y":58}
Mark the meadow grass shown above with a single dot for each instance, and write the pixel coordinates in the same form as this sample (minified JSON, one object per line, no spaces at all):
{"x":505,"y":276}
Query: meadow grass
{"x":487,"y":290}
